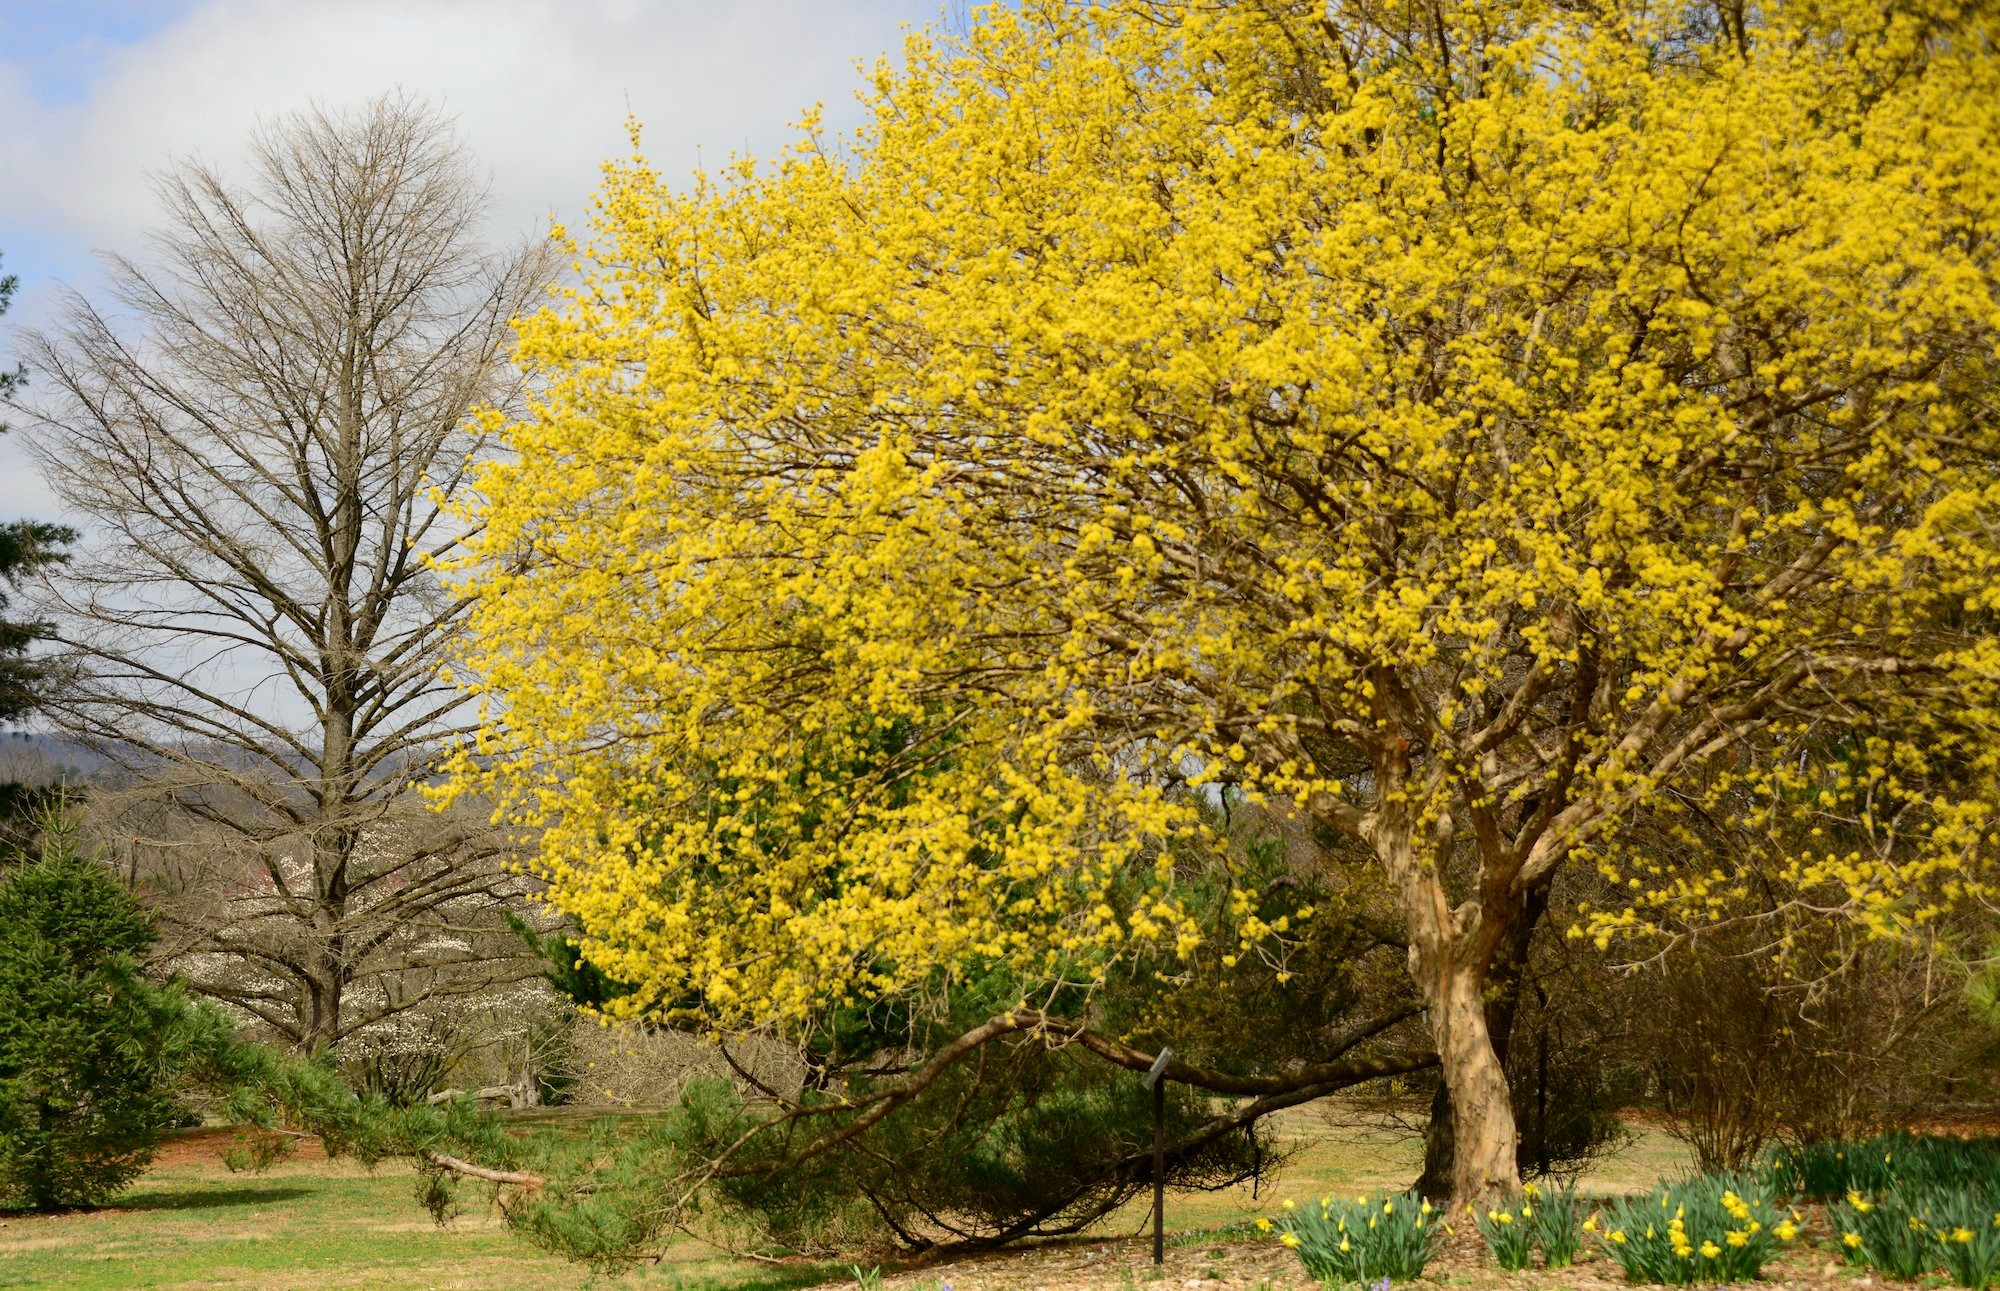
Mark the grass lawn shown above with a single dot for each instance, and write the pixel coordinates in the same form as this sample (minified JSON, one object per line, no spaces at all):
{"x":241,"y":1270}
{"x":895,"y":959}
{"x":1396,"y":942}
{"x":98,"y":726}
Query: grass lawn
{"x":315,"y":1225}
{"x":1348,"y":1152}
{"x":311,"y":1225}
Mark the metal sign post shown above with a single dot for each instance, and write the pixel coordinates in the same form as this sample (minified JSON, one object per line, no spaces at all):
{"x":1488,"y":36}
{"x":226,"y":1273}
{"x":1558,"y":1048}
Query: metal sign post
{"x":1155,"y":1080}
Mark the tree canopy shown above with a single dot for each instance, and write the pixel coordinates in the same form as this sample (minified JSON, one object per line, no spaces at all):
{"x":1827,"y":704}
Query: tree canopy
{"x":1470,"y":429}
{"x":261,"y":429}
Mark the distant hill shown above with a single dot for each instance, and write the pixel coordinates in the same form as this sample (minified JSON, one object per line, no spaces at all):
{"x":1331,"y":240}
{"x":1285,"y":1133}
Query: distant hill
{"x":30,"y":757}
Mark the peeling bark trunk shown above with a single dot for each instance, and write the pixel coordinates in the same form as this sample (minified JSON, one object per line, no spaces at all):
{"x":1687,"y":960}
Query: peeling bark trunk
{"x":1475,"y":1078}
{"x":1440,"y":1138}
{"x":1452,"y":953}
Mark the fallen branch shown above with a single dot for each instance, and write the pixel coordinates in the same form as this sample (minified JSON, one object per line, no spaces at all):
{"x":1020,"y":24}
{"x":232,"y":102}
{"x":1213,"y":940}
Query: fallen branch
{"x":516,"y":1095}
{"x":1270,"y":1093}
{"x":516,"y":1178}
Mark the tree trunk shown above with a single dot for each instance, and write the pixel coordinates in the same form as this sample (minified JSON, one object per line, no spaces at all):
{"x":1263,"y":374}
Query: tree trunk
{"x":1508,"y":975}
{"x":1475,"y":1079}
{"x":1453,"y":950}
{"x":324,"y":991}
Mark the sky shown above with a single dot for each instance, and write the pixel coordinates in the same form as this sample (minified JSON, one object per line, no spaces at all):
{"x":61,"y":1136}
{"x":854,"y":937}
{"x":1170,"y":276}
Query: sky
{"x":96,"y":95}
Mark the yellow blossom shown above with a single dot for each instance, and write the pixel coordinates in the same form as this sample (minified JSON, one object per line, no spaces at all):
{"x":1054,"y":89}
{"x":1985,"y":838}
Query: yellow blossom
{"x":1150,"y":393}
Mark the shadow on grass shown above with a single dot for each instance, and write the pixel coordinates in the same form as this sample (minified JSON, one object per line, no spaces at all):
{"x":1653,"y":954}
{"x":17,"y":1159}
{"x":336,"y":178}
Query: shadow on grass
{"x":208,"y":1198}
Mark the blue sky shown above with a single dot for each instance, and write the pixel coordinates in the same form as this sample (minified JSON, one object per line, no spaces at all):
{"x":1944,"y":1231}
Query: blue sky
{"x":96,"y":94}
{"x":60,"y":42}
{"x":54,"y":49}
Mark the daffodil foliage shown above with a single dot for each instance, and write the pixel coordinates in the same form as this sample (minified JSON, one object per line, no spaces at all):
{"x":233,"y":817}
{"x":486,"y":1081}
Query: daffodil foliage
{"x":1465,"y":424}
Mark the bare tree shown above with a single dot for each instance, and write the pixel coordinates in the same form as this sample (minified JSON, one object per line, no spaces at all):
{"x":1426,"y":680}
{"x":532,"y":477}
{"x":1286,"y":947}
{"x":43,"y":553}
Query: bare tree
{"x":264,"y":431}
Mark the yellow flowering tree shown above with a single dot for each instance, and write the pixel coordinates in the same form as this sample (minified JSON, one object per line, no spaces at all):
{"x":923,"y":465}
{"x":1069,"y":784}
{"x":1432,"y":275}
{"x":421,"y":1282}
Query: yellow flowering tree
{"x":1465,"y":429}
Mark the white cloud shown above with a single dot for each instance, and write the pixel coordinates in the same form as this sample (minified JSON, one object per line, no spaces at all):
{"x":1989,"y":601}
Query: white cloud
{"x":541,"y":88}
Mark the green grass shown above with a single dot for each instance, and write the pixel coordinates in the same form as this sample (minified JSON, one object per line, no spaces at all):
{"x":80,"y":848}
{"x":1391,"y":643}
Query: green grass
{"x":1346,"y":1152}
{"x":318,"y":1226}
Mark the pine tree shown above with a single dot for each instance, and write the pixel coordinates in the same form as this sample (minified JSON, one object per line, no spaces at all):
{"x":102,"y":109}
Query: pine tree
{"x":88,"y":1077}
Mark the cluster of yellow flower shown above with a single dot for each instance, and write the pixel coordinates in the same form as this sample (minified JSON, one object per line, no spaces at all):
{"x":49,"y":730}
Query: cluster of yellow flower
{"x":1739,"y":1210}
{"x":1694,"y":1235}
{"x":1365,"y":1239}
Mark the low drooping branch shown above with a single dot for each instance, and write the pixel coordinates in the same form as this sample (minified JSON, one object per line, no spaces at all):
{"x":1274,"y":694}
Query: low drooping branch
{"x":1335,"y":1075}
{"x":1268,"y":1094}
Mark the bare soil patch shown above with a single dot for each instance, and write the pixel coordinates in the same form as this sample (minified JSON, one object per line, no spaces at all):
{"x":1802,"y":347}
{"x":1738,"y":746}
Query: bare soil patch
{"x":208,"y":1146}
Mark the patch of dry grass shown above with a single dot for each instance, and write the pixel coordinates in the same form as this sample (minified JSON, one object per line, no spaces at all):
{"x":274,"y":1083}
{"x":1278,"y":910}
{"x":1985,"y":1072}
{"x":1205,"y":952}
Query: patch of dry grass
{"x":306,"y":1225}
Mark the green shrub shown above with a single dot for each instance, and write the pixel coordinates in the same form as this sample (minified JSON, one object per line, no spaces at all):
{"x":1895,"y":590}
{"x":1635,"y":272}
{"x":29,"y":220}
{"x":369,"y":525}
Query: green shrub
{"x":1906,"y":1233}
{"x":1707,"y":1229}
{"x":1555,"y":1216}
{"x":85,"y":1093}
{"x":1886,"y":1232}
{"x":1364,"y":1240}
{"x":1537,"y":1218}
{"x":1509,"y":1231}
{"x":1967,"y":1228}
{"x":1914,"y":1164}
{"x":94,"y":1057}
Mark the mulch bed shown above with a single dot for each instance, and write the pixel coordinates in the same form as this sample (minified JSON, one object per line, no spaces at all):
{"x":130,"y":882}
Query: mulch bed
{"x":1263,"y":1265}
